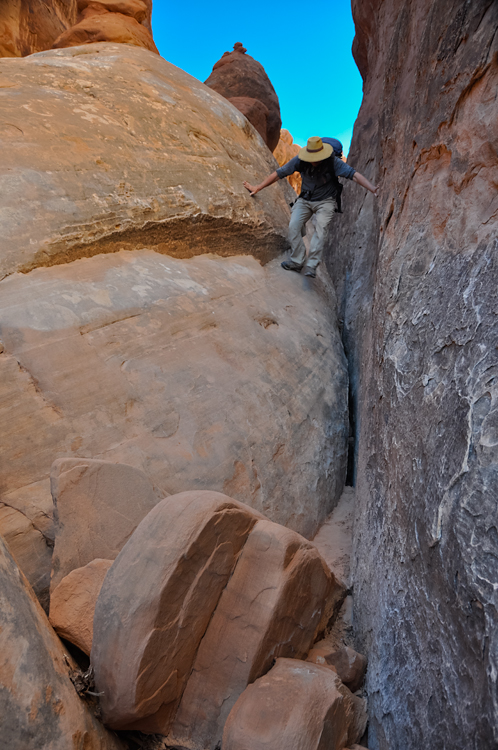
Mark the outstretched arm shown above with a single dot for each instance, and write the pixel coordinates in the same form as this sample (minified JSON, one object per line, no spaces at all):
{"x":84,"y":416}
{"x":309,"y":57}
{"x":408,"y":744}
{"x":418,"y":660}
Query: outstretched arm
{"x":253,"y":189}
{"x":357,"y":177}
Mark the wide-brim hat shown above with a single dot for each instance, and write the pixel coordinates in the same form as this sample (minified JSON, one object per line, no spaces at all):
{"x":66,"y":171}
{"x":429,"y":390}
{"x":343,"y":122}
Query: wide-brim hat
{"x":315,"y":150}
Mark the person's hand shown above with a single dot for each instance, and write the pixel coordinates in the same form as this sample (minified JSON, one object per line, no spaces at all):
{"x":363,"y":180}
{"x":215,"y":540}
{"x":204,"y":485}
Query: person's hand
{"x":376,"y":191}
{"x":252,"y":188}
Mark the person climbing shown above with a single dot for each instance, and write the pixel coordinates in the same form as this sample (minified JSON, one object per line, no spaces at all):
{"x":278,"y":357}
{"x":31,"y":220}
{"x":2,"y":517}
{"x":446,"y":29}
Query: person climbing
{"x":320,"y":190}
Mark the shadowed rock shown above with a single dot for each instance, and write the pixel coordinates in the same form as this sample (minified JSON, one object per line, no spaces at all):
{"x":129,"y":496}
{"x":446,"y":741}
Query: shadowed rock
{"x":296,"y":706}
{"x":28,"y":26}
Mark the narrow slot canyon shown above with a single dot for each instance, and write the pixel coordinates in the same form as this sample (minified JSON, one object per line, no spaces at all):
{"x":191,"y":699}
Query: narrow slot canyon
{"x":242,"y":508}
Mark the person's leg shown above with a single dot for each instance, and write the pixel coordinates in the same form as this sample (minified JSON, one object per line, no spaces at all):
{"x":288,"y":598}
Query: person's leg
{"x":301,"y":212}
{"x":323,"y":216}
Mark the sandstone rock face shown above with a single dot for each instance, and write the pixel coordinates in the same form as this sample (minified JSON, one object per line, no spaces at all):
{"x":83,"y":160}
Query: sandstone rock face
{"x":240,"y":77}
{"x":296,"y":706}
{"x":72,"y":603}
{"x":124,"y":151}
{"x":38,"y":703}
{"x":98,"y":505}
{"x":156,"y":602}
{"x":286,"y":150}
{"x":271,"y":607}
{"x":28,"y":26}
{"x":416,"y":276}
{"x":122,"y":21}
{"x":203,"y":373}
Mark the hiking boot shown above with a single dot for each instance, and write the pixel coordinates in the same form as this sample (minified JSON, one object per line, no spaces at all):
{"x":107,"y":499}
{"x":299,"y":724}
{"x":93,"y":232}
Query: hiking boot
{"x":290,"y":266}
{"x":311,"y":272}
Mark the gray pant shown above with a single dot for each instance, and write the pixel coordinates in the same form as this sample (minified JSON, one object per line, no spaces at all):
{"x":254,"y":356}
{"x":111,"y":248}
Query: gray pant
{"x":302,"y":211}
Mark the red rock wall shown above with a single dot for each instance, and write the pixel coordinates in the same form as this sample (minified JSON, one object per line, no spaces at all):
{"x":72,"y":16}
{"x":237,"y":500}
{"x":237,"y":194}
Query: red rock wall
{"x":416,"y":276}
{"x":28,"y":26}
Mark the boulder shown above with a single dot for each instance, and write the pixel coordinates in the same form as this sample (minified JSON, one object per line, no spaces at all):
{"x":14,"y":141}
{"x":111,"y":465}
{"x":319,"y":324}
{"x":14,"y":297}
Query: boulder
{"x":296,"y":706}
{"x":125,"y":151}
{"x":345,"y":661}
{"x":72,"y":603}
{"x":28,"y":26}
{"x":271,"y":607}
{"x":98,"y":505}
{"x":209,"y":372}
{"x":416,"y":274}
{"x":156,"y":602}
{"x":286,"y":150}
{"x":39,"y":705}
{"x":240,"y":76}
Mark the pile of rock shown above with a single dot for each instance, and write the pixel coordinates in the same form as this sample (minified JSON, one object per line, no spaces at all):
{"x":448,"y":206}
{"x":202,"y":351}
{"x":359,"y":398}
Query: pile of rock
{"x":197,"y":612}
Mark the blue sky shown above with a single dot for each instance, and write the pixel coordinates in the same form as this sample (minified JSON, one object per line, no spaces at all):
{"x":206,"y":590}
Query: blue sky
{"x":305,"y":50}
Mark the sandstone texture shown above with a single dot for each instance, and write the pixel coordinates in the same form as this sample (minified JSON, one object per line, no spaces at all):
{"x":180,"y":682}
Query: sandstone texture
{"x":39,"y":705}
{"x":122,"y":21}
{"x":271,"y":607}
{"x":416,"y":276}
{"x":28,"y":26}
{"x":243,"y":81}
{"x":156,"y":602}
{"x":109,"y":147}
{"x":72,"y":603}
{"x":98,"y":505}
{"x":286,"y":150}
{"x":345,"y":661}
{"x":207,"y":373}
{"x":296,"y":706}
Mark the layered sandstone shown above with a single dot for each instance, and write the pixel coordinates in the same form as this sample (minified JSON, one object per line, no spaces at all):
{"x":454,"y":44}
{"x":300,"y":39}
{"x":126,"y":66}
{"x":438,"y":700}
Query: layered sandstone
{"x":122,"y":21}
{"x":39,"y":705}
{"x":271,"y":607}
{"x":156,"y":602}
{"x":416,"y":275}
{"x":28,"y":26}
{"x":109,"y":147}
{"x":296,"y":706}
{"x":243,"y":81}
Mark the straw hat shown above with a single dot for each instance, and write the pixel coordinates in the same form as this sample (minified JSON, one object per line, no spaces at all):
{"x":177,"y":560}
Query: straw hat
{"x":316,"y":150}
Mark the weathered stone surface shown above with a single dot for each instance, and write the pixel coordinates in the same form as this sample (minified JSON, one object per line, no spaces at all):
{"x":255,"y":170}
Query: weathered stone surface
{"x":28,"y":26}
{"x":203,"y":373}
{"x":296,"y":706}
{"x":110,"y":147}
{"x":271,"y":607}
{"x":98,"y":505}
{"x":345,"y":661}
{"x":416,"y":276}
{"x":286,"y":150}
{"x":156,"y":602}
{"x":38,"y":703}
{"x":72,"y":603}
{"x":103,"y":23}
{"x":239,"y":75}
{"x":27,"y":527}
